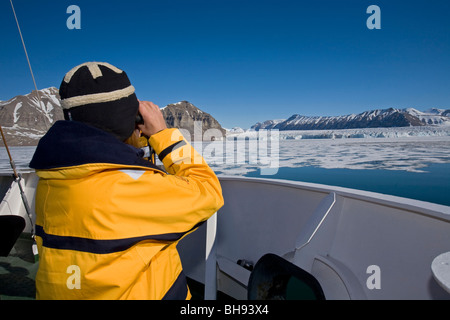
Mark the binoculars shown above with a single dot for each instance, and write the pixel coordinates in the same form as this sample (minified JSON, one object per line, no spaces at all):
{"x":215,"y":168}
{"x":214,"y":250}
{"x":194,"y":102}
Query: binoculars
{"x":139,"y":119}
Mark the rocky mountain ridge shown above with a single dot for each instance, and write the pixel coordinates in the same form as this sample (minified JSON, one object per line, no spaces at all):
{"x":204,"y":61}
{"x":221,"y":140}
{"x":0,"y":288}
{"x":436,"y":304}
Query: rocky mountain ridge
{"x":24,"y":121}
{"x":186,"y":116}
{"x":379,"y":118}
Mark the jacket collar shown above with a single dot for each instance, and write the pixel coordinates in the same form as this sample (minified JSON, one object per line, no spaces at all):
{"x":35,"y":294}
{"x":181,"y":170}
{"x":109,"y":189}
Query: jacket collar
{"x":71,"y":143}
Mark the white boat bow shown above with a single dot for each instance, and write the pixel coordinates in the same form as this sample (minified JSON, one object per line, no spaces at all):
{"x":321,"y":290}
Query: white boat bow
{"x":355,"y":244}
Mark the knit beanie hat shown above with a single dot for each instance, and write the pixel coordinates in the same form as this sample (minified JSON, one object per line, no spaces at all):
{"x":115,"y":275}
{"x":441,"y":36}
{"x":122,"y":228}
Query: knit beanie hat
{"x":100,"y":95}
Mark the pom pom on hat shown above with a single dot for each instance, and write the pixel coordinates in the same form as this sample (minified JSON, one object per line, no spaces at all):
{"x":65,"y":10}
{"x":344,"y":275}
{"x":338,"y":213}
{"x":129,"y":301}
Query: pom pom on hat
{"x":100,"y":95}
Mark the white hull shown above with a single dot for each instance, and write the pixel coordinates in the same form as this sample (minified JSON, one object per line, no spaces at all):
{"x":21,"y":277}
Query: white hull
{"x":336,"y":234}
{"x":12,"y":201}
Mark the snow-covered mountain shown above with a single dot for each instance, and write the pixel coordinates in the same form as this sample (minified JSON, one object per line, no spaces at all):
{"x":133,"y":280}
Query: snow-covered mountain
{"x":25,"y":111}
{"x":25,"y":121}
{"x":269,"y":124}
{"x":379,"y":118}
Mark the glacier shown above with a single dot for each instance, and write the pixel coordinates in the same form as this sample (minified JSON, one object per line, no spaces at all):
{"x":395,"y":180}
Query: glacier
{"x":392,"y":132}
{"x":410,"y":149}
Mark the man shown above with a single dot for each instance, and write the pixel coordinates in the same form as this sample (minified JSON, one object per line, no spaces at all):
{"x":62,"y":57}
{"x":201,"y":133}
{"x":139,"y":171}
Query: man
{"x":108,"y":221}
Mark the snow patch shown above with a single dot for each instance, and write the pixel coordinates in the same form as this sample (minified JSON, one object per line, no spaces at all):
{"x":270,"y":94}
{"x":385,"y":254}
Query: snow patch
{"x":16,"y":112}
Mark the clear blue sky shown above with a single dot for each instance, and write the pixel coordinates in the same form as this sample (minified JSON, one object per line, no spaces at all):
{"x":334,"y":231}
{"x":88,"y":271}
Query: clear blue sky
{"x":242,"y":61}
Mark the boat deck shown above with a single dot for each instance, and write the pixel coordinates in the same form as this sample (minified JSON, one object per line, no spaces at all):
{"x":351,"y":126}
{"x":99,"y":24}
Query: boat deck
{"x":18,"y":272}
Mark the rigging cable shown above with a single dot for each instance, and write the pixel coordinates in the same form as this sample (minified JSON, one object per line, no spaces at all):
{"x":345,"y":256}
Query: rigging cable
{"x":18,"y":176}
{"x":28,"y":59}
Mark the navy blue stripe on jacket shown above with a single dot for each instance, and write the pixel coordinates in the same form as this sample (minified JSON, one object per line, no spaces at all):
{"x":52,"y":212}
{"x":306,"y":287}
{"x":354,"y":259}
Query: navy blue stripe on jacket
{"x":170,"y":149}
{"x":102,"y":246}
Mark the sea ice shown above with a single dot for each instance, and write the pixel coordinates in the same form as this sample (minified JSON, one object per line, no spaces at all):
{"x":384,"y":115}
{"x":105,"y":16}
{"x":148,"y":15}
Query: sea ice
{"x":402,"y":152}
{"x":411,"y":154}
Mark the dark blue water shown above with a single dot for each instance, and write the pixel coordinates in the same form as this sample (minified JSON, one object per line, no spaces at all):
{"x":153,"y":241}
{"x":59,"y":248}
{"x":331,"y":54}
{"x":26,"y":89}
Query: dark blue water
{"x":431,"y":186}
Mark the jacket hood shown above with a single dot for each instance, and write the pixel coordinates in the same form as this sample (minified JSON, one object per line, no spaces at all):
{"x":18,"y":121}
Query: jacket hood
{"x":71,"y":144}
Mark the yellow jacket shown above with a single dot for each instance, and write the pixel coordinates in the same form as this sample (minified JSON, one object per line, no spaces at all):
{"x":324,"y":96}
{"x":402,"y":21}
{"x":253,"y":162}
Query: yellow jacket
{"x":108,"y":222}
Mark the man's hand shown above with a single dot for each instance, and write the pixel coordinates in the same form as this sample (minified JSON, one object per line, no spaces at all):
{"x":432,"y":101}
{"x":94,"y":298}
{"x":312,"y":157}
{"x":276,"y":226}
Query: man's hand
{"x":153,"y":119}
